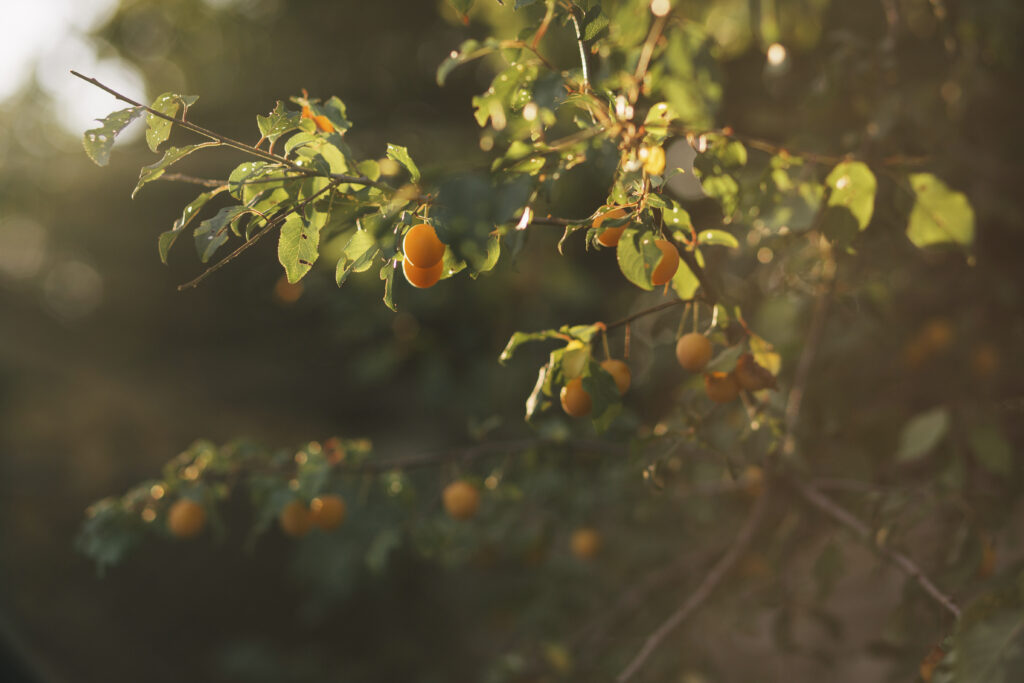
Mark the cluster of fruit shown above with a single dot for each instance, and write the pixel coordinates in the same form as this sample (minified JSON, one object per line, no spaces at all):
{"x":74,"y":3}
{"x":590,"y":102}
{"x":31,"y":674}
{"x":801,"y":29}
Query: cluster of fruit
{"x":423,"y":260}
{"x":186,"y":518}
{"x":693,"y":351}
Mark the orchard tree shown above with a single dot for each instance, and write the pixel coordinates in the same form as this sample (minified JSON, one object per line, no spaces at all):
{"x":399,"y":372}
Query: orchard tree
{"x":786,"y":439}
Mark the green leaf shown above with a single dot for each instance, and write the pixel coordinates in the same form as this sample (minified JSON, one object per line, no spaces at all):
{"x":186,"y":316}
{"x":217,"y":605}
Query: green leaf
{"x":719,"y":238}
{"x":604,"y":395}
{"x":520,"y":338}
{"x":724,"y":189}
{"x":684,"y":282}
{"x":159,"y":129}
{"x":213,"y":232}
{"x":468,"y":51}
{"x":401,"y":155}
{"x":725,"y":361}
{"x":278,"y":122}
{"x":169,"y":237}
{"x":594,"y":24}
{"x":633,"y":262}
{"x":359,"y":254}
{"x":940,"y":215}
{"x":387,"y":274}
{"x":922,"y":434}
{"x":171,"y":156}
{"x":99,"y":141}
{"x":853,"y":187}
{"x":462,"y":7}
{"x":298,"y":246}
{"x":992,"y":449}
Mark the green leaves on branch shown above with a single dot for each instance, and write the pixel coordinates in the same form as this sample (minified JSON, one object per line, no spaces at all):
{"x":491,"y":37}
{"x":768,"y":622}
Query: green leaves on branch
{"x":299,"y":244}
{"x":171,"y":156}
{"x":278,"y":122}
{"x":99,"y":141}
{"x":401,"y":155}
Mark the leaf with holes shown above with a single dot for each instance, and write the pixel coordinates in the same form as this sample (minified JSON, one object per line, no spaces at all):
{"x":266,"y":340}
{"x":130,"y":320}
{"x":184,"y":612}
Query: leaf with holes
{"x":401,"y":155}
{"x":169,"y":237}
{"x":158,"y":129}
{"x":98,"y":141}
{"x":299,"y":246}
{"x":278,"y":122}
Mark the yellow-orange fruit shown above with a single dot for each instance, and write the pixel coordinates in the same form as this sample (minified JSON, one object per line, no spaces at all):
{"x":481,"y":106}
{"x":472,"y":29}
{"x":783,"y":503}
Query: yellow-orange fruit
{"x":585,"y":543}
{"x":721,"y":387}
{"x":461,"y":500}
{"x":186,"y":518}
{"x":575,"y":399}
{"x":295,"y":519}
{"x":693,"y":351}
{"x":323,"y":123}
{"x":327,"y":512}
{"x":930,"y":662}
{"x":654,"y":164}
{"x":751,"y":376}
{"x":421,"y":246}
{"x":610,"y":237}
{"x":422,"y":277}
{"x":307,"y":113}
{"x":619,"y":372}
{"x":667,"y":265}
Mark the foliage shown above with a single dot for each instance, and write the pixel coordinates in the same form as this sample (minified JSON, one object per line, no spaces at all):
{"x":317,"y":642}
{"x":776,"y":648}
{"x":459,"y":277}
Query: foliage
{"x":647,"y":84}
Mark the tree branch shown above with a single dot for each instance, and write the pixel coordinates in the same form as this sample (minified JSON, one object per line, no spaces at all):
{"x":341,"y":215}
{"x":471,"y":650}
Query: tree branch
{"x":847,"y":519}
{"x":703,"y":591}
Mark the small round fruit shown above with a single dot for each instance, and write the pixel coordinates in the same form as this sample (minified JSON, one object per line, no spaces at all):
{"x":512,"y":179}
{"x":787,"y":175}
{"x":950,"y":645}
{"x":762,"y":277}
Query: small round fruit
{"x":610,"y":236}
{"x":186,"y":518}
{"x":421,"y":246}
{"x":751,"y":376}
{"x":654,"y":164}
{"x":667,"y":265}
{"x":585,"y":543}
{"x":693,"y":351}
{"x":575,"y":399}
{"x":721,"y":387}
{"x":295,"y":519}
{"x":422,"y":277}
{"x":461,"y":500}
{"x":619,"y":372}
{"x":327,"y":512}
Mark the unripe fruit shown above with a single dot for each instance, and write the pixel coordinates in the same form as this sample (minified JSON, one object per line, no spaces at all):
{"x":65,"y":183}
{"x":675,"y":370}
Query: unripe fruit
{"x":667,"y":265}
{"x":186,"y":518}
{"x":422,"y":277}
{"x":751,"y":376}
{"x":575,"y":399}
{"x":421,"y":246}
{"x":295,"y":519}
{"x":585,"y":543}
{"x":721,"y":387}
{"x":610,"y":237}
{"x":654,"y":164}
{"x":619,"y":372}
{"x":693,"y":351}
{"x":327,"y":512}
{"x":461,"y":500}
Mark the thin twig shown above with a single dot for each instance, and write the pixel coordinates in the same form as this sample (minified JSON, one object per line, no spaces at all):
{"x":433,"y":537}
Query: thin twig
{"x":703,"y":591}
{"x":843,"y":516}
{"x":645,"y":55}
{"x":241,"y":146}
{"x":583,"y":50}
{"x":647,"y":311}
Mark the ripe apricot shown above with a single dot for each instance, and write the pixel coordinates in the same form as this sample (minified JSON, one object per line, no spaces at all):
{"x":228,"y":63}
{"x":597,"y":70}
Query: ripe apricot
{"x":421,"y":246}
{"x":186,"y":518}
{"x":668,"y":264}
{"x":323,"y":123}
{"x":693,"y":351}
{"x":295,"y":519}
{"x":610,"y":236}
{"x":575,"y":399}
{"x":751,"y":376}
{"x":327,"y":512}
{"x":654,"y":164}
{"x":619,"y":372}
{"x":585,"y":543}
{"x":721,"y":387}
{"x":422,"y":277}
{"x":461,"y":500}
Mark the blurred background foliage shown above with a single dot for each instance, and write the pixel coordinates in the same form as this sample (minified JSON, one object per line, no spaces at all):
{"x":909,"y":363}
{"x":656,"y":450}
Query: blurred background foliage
{"x":107,"y":372}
